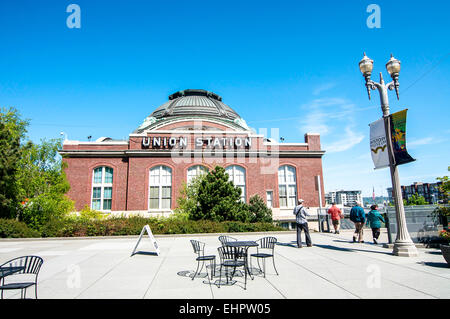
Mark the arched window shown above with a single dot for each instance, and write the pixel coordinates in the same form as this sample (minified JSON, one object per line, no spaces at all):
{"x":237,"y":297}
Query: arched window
{"x":237,"y":176}
{"x":102,"y":181}
{"x":287,"y":186}
{"x":195,"y":171}
{"x":160,"y":193}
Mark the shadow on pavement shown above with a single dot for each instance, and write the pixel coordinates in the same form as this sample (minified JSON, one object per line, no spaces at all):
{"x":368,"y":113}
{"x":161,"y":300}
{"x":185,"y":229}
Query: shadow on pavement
{"x":351,"y":249}
{"x":434,"y":264}
{"x":148,"y":253}
{"x":343,"y":241}
{"x":292,"y":244}
{"x":434,"y":252}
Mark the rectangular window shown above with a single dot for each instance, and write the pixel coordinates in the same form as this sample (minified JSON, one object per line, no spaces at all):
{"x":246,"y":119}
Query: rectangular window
{"x":269,"y":198}
{"x":283,"y":196}
{"x":107,"y":198}
{"x":108,"y":175}
{"x":291,"y":199}
{"x":98,"y":175}
{"x":96,"y":198}
{"x":166,"y":196}
{"x":154,"y":197}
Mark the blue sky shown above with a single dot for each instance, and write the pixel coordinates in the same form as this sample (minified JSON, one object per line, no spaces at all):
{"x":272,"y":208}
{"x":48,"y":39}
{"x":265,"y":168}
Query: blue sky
{"x":291,"y":65}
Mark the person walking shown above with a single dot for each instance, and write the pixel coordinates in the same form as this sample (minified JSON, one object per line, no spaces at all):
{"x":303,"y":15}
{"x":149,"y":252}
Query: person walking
{"x":300,"y":213}
{"x":358,"y":217}
{"x":336,"y":215}
{"x":374,"y":218}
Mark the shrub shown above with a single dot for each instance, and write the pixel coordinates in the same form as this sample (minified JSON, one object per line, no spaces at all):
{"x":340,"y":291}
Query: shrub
{"x":118,"y":226}
{"x":445,"y":234}
{"x":259,"y":212}
{"x":11,"y":228}
{"x":89,"y":214}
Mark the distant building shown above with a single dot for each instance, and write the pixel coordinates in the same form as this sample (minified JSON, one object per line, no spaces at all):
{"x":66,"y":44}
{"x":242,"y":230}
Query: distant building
{"x":342,"y":197}
{"x":429,"y":191}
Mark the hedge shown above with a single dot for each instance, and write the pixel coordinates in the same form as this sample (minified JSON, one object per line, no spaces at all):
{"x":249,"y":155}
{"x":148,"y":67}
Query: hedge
{"x":75,"y":227}
{"x":11,"y":228}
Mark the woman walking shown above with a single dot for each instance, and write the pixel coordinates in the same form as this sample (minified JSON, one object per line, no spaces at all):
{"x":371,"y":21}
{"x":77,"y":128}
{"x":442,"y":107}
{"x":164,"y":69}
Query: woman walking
{"x":374,"y":218}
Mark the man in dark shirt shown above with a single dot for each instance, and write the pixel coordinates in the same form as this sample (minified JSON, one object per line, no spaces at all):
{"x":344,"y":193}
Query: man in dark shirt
{"x":358,"y":216}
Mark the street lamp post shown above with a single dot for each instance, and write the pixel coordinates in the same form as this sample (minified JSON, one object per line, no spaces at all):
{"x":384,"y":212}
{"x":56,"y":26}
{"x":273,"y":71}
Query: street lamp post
{"x":403,"y":245}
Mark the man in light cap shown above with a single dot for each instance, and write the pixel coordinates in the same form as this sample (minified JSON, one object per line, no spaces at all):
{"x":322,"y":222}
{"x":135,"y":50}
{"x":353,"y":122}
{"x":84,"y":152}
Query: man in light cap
{"x":300,"y":213}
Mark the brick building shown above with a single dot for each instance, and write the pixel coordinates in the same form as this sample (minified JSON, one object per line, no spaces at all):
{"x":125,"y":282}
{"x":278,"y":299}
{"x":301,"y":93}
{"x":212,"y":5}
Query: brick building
{"x":192,"y":132}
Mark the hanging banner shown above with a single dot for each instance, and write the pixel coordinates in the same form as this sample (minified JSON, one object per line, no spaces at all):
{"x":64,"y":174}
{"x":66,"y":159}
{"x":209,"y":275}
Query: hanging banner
{"x":378,"y":146}
{"x":398,"y":134}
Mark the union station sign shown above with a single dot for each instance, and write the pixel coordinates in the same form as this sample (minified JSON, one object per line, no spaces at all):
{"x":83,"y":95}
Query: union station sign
{"x":199,"y":142}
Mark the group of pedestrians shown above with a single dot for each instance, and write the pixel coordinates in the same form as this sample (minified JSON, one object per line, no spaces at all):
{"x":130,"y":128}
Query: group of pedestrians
{"x":373,"y":219}
{"x":357,"y":215}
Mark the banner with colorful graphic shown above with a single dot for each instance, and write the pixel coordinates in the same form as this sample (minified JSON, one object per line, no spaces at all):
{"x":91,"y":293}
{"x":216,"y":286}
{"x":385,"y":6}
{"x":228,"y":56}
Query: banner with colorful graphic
{"x":378,"y":146}
{"x":398,"y":135}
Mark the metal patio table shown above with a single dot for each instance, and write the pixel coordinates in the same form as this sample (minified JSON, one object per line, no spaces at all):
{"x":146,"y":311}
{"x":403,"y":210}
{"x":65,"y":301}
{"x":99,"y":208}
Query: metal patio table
{"x":6,"y":271}
{"x":244,"y":243}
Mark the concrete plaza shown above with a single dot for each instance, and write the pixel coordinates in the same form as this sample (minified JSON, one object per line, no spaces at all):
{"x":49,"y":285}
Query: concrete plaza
{"x":333,"y":268}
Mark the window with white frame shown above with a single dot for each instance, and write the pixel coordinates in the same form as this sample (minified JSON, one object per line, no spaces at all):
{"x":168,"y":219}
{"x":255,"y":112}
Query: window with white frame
{"x":237,"y":176}
{"x":160,"y":192}
{"x":102,"y":182}
{"x":269,"y":198}
{"x":195,"y":171}
{"x":287,"y":186}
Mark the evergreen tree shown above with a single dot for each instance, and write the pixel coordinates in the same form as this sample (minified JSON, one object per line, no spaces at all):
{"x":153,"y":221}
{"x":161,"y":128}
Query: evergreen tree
{"x":259,"y":212}
{"x":218,"y":199}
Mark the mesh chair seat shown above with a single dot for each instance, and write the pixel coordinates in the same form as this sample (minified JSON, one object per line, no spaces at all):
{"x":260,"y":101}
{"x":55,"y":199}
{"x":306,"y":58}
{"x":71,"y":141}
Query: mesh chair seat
{"x":17,"y":285}
{"x":262,"y":255}
{"x":233,"y":263}
{"x":209,"y":257}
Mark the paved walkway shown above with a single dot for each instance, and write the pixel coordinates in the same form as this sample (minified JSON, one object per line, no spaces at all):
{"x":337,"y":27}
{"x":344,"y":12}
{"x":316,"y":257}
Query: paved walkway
{"x":333,"y":268}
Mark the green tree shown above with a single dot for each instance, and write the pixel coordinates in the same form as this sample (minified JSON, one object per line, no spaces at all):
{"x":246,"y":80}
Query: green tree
{"x":32,"y":179}
{"x":259,"y":212}
{"x":12,"y":131}
{"x":415,"y":199}
{"x":42,"y":183}
{"x":445,"y":189}
{"x":218,"y":199}
{"x":188,"y":199}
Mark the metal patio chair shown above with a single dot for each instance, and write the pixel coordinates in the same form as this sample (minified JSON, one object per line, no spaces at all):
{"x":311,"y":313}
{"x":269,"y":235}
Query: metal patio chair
{"x":224,"y":239}
{"x":31,"y":266}
{"x":231,"y":257}
{"x":265,"y":250}
{"x":199,"y":249}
